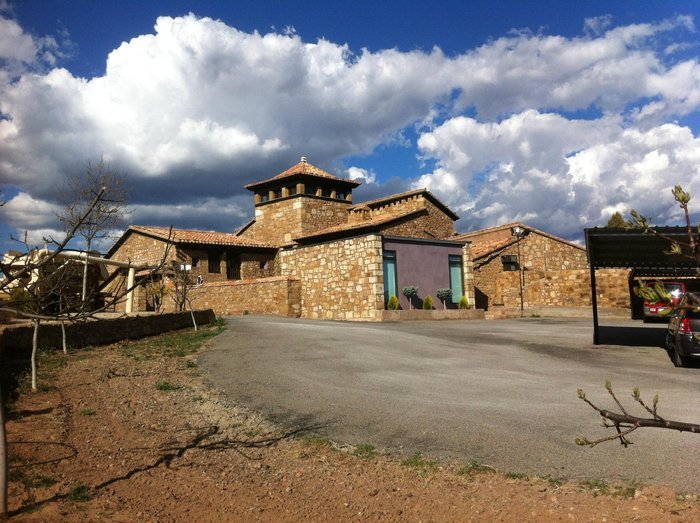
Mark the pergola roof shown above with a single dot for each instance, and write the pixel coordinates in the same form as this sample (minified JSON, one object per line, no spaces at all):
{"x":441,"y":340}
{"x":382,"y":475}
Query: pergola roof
{"x":644,"y":253}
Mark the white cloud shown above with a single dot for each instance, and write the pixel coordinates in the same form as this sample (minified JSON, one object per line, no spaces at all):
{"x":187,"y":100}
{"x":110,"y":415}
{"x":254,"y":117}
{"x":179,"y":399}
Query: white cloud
{"x":25,"y":211}
{"x":358,"y":173}
{"x":557,"y":174}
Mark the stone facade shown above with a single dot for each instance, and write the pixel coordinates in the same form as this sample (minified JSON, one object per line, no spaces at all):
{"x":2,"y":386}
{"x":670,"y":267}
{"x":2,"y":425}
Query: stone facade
{"x":432,"y":224}
{"x":567,"y":288}
{"x":340,"y":280}
{"x":280,"y":221}
{"x":309,"y":251}
{"x":555,"y":273}
{"x":140,"y":249}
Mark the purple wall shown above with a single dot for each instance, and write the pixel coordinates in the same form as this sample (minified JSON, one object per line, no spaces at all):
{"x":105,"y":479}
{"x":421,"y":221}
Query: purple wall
{"x":422,"y":264}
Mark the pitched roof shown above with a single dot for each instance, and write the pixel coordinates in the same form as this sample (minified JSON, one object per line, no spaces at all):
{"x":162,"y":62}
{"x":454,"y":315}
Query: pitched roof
{"x":302,"y":168}
{"x":378,"y":202}
{"x":198,"y":237}
{"x":350,"y":229}
{"x":481,"y":248}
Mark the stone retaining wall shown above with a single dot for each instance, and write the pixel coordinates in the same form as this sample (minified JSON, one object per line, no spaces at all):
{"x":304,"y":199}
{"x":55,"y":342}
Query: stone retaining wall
{"x":437,"y":314}
{"x":279,"y":295}
{"x":16,"y":341}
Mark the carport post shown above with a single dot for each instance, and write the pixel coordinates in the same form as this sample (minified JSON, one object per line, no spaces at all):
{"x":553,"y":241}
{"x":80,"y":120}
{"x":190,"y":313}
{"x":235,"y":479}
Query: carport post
{"x":594,"y":304}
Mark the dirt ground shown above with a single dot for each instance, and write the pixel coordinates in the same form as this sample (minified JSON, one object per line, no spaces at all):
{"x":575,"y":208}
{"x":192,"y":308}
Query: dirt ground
{"x":132,"y":432}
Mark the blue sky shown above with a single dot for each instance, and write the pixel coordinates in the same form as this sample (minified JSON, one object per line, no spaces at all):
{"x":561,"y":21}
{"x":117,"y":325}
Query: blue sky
{"x":552,"y":113}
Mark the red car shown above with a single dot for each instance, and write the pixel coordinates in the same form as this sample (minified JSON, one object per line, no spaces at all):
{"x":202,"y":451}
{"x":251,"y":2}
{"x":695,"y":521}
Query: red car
{"x":674,"y":289}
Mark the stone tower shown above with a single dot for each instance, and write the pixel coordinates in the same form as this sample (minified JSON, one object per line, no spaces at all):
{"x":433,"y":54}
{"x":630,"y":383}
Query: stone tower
{"x":301,"y":200}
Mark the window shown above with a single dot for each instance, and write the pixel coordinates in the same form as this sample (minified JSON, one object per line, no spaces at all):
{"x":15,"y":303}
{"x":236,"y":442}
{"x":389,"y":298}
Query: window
{"x":390,"y":280}
{"x":264,"y":197}
{"x":195,"y":261}
{"x":326,"y":192}
{"x":340,"y":195}
{"x":292,"y":190}
{"x":278,"y":193}
{"x":310,"y":190}
{"x":214,"y":263}
{"x":456,"y":277}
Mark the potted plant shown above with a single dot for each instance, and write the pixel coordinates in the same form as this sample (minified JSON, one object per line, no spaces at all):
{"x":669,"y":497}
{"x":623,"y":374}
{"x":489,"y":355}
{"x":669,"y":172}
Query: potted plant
{"x":444,"y":295}
{"x":410,"y":292}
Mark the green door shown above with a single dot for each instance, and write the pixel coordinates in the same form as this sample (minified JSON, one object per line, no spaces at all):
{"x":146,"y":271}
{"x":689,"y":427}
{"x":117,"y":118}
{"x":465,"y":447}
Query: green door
{"x":390,"y":283}
{"x":456,"y":278}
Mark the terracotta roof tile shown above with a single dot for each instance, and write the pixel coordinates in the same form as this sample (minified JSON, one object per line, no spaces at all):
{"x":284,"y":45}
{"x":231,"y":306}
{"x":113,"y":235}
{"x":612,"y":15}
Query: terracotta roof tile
{"x":359,"y":226}
{"x":304,"y":168}
{"x":199,"y":237}
{"x":482,"y":248}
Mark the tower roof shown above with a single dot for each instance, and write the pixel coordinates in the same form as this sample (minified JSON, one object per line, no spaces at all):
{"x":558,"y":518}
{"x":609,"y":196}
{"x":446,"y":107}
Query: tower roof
{"x":302,"y":169}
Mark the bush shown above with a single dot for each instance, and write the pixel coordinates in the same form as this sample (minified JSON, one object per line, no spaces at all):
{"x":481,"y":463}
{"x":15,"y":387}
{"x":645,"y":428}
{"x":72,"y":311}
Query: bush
{"x":428,"y":303}
{"x":464,"y":303}
{"x":444,"y":295}
{"x":393,"y":304}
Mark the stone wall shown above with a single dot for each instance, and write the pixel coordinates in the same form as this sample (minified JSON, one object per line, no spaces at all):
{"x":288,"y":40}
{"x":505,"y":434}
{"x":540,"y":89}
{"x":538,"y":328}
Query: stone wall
{"x":341,"y":280}
{"x":16,"y":342}
{"x":275,"y":295}
{"x":570,"y":288}
{"x":433,"y":224}
{"x":279,"y":222}
{"x":142,"y":250}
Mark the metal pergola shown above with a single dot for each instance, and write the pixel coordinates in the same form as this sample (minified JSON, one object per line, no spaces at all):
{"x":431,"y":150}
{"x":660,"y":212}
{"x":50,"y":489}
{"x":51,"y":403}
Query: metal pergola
{"x":645,"y":254}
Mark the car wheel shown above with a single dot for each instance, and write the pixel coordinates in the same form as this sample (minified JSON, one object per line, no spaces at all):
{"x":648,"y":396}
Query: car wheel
{"x":679,"y":360}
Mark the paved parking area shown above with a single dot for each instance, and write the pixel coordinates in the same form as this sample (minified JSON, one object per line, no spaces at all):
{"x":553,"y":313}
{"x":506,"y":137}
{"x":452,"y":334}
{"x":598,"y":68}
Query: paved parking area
{"x":500,"y":392}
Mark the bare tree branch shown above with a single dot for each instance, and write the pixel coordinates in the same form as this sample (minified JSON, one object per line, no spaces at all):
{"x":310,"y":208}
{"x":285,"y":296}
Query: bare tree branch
{"x":625,"y":423}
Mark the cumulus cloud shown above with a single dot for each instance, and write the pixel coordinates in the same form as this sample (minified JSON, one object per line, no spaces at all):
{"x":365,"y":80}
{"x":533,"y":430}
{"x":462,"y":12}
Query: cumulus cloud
{"x":197,"y":109}
{"x":558,"y":174}
{"x":365,"y":175}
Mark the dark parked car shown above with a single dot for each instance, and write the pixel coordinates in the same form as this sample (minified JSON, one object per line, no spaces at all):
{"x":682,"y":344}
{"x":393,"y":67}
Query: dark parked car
{"x":683,"y":331}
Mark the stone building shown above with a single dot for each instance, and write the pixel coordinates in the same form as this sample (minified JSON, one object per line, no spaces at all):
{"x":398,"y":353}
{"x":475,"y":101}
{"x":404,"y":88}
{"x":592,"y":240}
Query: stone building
{"x":311,"y":252}
{"x":554,"y":272}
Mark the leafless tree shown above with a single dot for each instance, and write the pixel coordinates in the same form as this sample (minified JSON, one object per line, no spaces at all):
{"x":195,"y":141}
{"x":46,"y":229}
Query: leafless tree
{"x":96,"y":221}
{"x":183,"y":287}
{"x":39,"y":284}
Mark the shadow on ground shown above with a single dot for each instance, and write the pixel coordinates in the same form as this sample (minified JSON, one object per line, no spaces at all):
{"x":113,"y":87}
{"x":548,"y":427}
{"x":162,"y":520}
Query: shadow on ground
{"x":633,"y":336}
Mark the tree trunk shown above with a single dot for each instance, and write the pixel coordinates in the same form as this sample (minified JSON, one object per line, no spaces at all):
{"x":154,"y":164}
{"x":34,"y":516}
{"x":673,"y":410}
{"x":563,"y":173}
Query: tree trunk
{"x":3,"y":458}
{"x":194,"y":322}
{"x":63,"y":334}
{"x":85,"y":273}
{"x":35,"y":343}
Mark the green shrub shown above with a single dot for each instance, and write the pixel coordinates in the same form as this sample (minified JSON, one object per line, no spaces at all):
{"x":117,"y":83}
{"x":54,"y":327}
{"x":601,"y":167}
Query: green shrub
{"x":365,"y":451}
{"x":464,"y":303}
{"x":428,"y":303}
{"x":80,"y":493}
{"x":393,"y":304}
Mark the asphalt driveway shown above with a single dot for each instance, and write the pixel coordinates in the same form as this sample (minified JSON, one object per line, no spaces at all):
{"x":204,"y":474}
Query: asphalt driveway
{"x":499,"y":392}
